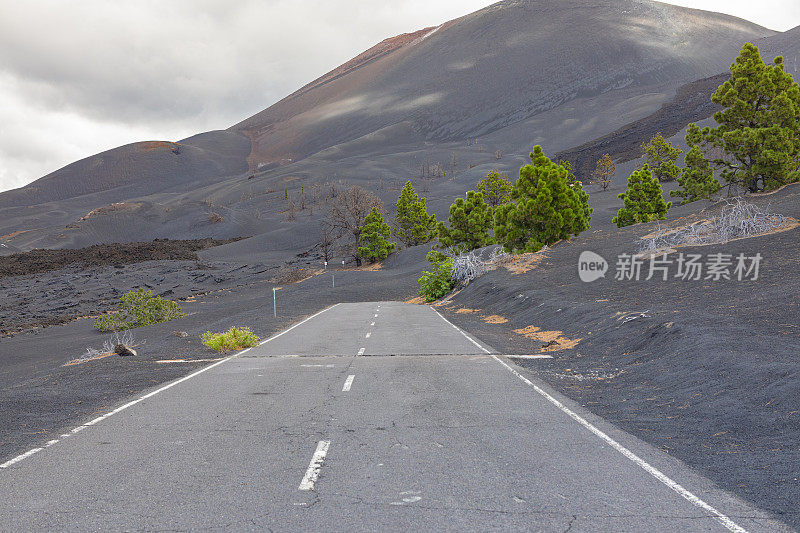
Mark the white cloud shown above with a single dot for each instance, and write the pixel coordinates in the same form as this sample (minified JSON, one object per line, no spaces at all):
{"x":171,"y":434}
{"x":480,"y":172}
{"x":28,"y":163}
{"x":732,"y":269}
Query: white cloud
{"x":77,"y":78}
{"x":780,"y":15}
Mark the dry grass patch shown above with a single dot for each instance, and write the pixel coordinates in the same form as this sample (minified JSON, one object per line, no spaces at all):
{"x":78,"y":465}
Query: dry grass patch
{"x":110,"y":208}
{"x":13,"y":234}
{"x":418,"y":300}
{"x":554,"y":340}
{"x":87,"y":358}
{"x":292,"y":274}
{"x":495,"y":319}
{"x":466,"y":311}
{"x":523,"y":263}
{"x":370,"y":267}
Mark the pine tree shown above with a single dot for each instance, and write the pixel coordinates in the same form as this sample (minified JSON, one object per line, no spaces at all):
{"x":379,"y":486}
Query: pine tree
{"x":642,"y":201}
{"x":661,"y":158}
{"x":548,"y":204}
{"x":373,"y":243}
{"x":697,"y":181}
{"x":413,"y":225}
{"x":470,"y":221}
{"x":496,"y":188}
{"x":759,"y":127}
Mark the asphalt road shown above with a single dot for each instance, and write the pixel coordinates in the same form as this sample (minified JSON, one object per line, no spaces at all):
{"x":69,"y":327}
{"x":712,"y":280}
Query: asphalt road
{"x":364,"y":417}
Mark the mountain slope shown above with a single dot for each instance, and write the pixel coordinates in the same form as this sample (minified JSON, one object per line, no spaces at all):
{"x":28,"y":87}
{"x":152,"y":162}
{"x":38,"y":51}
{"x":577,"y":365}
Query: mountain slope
{"x":786,"y":44}
{"x":495,"y":68}
{"x":140,"y":168}
{"x":469,"y":96}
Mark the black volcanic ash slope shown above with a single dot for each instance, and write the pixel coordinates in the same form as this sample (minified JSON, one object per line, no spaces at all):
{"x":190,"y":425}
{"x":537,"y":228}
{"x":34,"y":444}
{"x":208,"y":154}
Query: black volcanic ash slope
{"x":497,"y":67}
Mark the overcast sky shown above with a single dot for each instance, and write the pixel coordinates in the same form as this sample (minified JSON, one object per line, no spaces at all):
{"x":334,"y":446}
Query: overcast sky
{"x":77,"y":78}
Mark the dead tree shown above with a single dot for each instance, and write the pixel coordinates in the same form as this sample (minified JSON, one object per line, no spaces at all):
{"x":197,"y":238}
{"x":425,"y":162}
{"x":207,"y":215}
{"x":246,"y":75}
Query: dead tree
{"x":347,"y":212}
{"x":604,"y":171}
{"x":328,"y":236}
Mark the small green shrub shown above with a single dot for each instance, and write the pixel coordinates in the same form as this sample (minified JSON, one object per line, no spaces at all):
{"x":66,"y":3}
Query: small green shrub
{"x":233,"y":339}
{"x":139,"y":308}
{"x":433,"y":285}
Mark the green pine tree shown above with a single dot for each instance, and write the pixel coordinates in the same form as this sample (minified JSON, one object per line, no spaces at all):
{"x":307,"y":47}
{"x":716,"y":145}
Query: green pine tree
{"x":759,"y":127}
{"x":642,"y":201}
{"x":413,"y":225}
{"x":496,"y":189}
{"x":470,"y":221}
{"x":697,"y":181}
{"x":373,"y":243}
{"x":548,"y":204}
{"x":661,"y":158}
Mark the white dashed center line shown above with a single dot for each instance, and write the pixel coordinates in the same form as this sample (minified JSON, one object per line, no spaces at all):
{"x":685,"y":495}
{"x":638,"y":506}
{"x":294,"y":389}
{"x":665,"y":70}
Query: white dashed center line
{"x":348,"y":383}
{"x":372,"y":324}
{"x":369,"y":334}
{"x":376,"y":315}
{"x":361,"y":351}
{"x":315,"y":466}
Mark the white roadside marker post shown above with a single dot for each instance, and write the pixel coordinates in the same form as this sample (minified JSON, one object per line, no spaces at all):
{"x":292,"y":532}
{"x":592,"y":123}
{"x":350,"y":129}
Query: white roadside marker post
{"x":274,"y":304}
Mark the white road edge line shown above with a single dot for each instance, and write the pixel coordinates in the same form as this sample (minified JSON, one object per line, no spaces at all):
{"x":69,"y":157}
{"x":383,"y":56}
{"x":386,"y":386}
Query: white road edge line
{"x":296,"y":325}
{"x":348,"y":383}
{"x":647,"y":467}
{"x":100,"y":418}
{"x":315,"y":466}
{"x":20,"y":457}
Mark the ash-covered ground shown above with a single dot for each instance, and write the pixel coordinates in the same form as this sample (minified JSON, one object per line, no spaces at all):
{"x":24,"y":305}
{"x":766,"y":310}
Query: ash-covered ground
{"x":74,"y":291}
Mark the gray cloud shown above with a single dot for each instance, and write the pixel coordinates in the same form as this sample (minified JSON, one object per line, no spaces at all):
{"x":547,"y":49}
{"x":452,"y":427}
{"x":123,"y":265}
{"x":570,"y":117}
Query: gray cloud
{"x":77,"y":78}
{"x":80,"y":77}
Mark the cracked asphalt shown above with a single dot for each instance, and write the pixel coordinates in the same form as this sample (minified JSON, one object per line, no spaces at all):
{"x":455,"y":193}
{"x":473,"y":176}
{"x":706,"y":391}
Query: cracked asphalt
{"x":433,"y":434}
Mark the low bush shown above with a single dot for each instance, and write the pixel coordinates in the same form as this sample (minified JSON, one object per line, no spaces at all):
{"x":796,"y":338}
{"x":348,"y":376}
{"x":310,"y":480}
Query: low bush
{"x":139,"y":308}
{"x":233,"y":339}
{"x":438,"y":282}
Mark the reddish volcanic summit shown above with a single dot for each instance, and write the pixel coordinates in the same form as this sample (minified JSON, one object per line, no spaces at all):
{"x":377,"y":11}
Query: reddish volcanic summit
{"x":497,"y":68}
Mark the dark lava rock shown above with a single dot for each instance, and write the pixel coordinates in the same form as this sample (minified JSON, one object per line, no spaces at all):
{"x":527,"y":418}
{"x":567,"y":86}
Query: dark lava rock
{"x":124,"y":351}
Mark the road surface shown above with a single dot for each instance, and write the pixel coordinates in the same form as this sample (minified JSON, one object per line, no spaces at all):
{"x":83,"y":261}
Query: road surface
{"x":371,"y":416}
